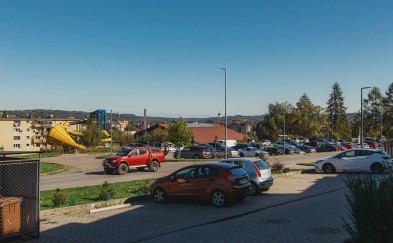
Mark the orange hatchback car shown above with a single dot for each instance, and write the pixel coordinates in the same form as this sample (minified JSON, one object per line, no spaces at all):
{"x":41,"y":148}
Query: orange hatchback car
{"x":217,"y":182}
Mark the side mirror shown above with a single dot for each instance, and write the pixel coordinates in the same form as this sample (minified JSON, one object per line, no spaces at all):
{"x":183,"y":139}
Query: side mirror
{"x":172,"y":178}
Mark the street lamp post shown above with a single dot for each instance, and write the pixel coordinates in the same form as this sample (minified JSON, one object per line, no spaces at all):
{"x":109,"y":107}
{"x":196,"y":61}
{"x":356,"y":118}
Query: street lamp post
{"x":284,"y":131}
{"x":111,"y":133}
{"x":361,"y":115}
{"x":225,"y":113}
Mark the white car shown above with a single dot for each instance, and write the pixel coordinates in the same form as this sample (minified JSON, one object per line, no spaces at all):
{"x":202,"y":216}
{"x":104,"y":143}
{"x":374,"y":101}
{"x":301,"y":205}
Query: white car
{"x":373,"y":160}
{"x":251,"y":152}
{"x":265,"y":143}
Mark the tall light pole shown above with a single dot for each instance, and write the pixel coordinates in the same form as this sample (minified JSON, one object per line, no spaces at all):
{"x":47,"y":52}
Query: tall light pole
{"x":225,"y":113}
{"x":285,"y":111}
{"x":111,"y":132}
{"x":361,"y":115}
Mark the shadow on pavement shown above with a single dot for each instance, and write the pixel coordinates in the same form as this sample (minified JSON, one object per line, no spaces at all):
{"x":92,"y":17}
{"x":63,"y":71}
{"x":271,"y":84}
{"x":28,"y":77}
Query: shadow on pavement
{"x":146,"y":220}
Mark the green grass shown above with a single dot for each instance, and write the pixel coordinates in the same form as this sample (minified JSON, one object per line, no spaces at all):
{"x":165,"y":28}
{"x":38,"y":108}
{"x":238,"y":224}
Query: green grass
{"x":90,"y":194}
{"x":36,"y":155}
{"x":49,"y":168}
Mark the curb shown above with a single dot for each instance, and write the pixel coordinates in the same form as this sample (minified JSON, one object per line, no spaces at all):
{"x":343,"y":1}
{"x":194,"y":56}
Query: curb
{"x":93,"y":207}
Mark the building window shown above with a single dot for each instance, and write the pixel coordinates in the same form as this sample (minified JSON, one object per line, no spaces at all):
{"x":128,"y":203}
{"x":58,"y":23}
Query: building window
{"x":16,"y":137}
{"x":16,"y":145}
{"x":27,"y":145}
{"x":27,"y":137}
{"x":27,"y":129}
{"x":16,"y":129}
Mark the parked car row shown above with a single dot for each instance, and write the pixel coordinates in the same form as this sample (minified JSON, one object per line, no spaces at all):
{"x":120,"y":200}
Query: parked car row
{"x":219,"y":182}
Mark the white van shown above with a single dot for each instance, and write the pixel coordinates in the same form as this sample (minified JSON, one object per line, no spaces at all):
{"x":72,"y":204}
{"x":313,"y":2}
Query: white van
{"x":230,"y":143}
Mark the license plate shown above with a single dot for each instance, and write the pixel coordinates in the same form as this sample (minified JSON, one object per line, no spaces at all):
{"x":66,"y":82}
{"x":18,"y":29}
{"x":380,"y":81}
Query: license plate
{"x":243,"y":181}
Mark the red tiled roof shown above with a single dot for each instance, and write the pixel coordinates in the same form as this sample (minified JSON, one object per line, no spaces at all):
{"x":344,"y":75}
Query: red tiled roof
{"x":207,"y":134}
{"x":164,"y":125}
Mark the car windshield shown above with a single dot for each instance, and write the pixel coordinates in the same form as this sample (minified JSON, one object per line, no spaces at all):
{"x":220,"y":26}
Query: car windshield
{"x":237,"y":171}
{"x":123,"y":152}
{"x":260,"y":164}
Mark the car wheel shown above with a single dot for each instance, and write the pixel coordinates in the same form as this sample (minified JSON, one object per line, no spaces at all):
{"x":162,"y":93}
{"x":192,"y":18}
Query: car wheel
{"x":377,"y":168}
{"x":218,"y":198}
{"x":153,"y":167}
{"x":253,"y":189}
{"x":197,"y":156}
{"x":241,"y":155}
{"x":328,"y":168}
{"x":160,"y":195}
{"x":109,"y":170}
{"x":140,"y":168}
{"x":122,"y":169}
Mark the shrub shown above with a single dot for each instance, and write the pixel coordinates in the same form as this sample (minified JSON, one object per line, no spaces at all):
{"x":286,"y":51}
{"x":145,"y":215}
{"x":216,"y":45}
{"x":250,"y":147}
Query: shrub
{"x":286,"y":170}
{"x":370,"y":202}
{"x":276,"y":166}
{"x":107,"y":192}
{"x":58,"y":198}
{"x":72,"y":201}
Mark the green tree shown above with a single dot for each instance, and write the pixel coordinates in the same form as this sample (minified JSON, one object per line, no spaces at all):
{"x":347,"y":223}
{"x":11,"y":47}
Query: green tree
{"x":91,"y":135}
{"x":387,"y":109}
{"x":338,"y":122}
{"x":158,"y":135}
{"x":306,"y":119}
{"x":372,"y":112}
{"x":272,"y":124}
{"x":355,"y":125}
{"x":180,"y":134}
{"x":122,"y":138}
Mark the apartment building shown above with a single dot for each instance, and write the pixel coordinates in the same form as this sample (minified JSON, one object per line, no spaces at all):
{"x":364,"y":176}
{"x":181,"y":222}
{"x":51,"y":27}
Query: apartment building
{"x":28,"y":134}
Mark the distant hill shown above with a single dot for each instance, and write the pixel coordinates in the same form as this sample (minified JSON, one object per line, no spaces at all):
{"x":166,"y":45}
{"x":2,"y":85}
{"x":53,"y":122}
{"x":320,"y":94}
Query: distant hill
{"x":41,"y":113}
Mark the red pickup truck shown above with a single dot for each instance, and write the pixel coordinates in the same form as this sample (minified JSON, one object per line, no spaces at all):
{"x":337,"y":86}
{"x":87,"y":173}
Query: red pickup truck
{"x":134,"y":157}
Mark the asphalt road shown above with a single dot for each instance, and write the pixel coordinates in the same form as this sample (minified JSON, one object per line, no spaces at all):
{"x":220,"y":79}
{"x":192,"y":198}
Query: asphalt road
{"x":86,"y":170}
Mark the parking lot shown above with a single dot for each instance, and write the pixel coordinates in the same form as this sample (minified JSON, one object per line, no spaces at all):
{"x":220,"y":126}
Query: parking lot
{"x":84,"y":169}
{"x":298,"y":208}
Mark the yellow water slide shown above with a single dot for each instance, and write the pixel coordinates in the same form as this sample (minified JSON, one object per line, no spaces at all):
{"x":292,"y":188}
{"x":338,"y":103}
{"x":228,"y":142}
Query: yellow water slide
{"x":58,"y":135}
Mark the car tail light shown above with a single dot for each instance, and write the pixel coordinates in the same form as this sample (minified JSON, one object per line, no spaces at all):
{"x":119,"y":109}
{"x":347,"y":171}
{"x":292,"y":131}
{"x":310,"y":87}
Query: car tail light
{"x":256,"y":168}
{"x":228,"y":176}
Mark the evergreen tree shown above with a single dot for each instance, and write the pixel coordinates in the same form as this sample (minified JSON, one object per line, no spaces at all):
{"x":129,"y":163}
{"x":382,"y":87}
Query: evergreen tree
{"x":372,"y":112}
{"x":387,"y":110}
{"x":337,"y":112}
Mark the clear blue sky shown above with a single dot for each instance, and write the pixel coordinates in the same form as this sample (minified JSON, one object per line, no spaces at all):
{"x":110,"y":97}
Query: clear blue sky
{"x":166,"y":55}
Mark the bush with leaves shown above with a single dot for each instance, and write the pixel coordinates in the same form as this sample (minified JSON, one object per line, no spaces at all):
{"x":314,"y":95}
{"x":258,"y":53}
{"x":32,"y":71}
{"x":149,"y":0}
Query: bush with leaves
{"x":276,"y":166}
{"x":370,"y":202}
{"x":107,"y":192}
{"x":58,"y":198}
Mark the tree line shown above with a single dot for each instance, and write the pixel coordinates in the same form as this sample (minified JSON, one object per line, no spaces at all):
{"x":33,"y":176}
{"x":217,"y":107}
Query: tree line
{"x":304,"y":119}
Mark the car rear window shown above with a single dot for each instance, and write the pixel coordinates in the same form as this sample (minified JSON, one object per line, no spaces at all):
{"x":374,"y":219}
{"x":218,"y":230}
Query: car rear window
{"x":155,"y":151}
{"x":261,"y":165}
{"x":237,"y":171}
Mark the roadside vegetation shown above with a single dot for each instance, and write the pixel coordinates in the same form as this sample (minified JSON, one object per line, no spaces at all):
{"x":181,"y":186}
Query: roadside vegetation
{"x":370,"y":203}
{"x":91,"y":194}
{"x":50,"y":168}
{"x":307,"y":163}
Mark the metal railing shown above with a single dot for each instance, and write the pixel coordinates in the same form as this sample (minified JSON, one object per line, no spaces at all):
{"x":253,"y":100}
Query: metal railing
{"x":19,"y":185}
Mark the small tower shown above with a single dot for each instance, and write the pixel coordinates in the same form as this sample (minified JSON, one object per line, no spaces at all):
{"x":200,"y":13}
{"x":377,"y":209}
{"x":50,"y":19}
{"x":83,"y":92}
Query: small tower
{"x":219,"y":118}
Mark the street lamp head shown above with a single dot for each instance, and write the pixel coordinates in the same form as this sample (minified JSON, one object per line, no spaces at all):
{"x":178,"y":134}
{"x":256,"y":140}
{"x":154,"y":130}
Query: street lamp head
{"x":366,"y":88}
{"x":224,"y":69}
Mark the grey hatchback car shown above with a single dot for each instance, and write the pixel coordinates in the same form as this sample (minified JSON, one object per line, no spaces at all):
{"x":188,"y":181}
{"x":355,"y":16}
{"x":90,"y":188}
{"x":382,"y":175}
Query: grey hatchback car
{"x":259,"y":173}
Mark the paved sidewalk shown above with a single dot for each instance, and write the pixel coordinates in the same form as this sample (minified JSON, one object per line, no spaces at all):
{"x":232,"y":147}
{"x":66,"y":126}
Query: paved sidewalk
{"x":298,"y":208}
